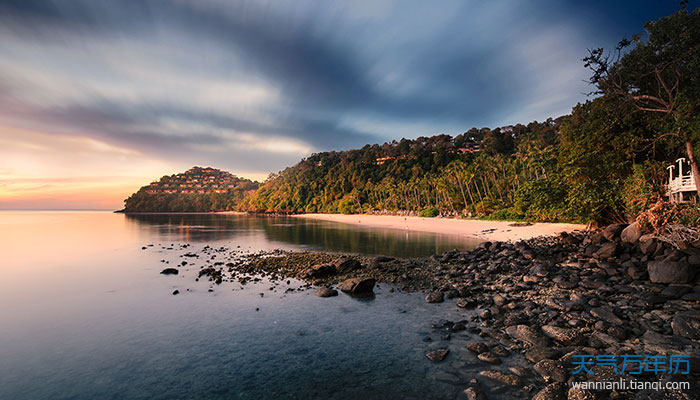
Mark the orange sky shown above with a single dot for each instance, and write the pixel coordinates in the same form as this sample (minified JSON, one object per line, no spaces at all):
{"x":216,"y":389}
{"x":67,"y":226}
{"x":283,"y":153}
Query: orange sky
{"x":49,"y":170}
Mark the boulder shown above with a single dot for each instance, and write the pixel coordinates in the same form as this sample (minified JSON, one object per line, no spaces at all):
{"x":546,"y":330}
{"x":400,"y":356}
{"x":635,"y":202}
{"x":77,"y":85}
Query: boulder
{"x":687,"y":324}
{"x":170,"y":271}
{"x":612,"y":231}
{"x":607,"y":250}
{"x":647,"y":244}
{"x":344,"y":265}
{"x":631,"y":233}
{"x":318,"y":271}
{"x":357,"y":285}
{"x":326,"y":292}
{"x":668,"y":271}
{"x":435,"y":297}
{"x":606,"y":315}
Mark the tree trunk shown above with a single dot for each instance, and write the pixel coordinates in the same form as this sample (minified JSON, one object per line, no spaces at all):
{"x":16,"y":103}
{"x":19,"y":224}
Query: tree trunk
{"x":693,"y":166}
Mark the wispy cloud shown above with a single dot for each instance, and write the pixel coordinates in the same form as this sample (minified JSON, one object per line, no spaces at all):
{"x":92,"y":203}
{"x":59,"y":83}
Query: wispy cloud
{"x":254,"y":86}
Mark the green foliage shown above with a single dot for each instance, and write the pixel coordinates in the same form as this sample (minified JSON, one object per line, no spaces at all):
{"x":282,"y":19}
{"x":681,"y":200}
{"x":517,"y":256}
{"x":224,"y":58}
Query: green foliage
{"x":429,"y":212}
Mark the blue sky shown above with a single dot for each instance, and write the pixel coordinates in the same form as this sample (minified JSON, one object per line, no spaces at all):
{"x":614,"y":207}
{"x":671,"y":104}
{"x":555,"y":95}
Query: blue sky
{"x":138,"y":87}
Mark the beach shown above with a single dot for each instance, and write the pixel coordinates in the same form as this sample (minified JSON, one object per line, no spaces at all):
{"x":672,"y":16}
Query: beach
{"x":502,"y":231}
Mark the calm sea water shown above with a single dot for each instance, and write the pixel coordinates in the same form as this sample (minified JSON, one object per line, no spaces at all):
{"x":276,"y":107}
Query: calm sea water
{"x":85,"y":314}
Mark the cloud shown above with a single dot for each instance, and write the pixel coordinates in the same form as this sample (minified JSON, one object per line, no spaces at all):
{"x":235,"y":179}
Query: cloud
{"x":255,"y":86}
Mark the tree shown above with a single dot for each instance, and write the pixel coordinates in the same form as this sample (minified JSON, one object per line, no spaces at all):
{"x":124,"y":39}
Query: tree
{"x":660,"y":76}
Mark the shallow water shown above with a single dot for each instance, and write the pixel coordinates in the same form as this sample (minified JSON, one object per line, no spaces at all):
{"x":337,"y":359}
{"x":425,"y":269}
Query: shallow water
{"x":85,"y":314}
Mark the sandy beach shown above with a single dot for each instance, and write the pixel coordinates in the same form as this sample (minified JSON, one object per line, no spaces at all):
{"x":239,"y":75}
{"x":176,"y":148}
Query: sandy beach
{"x":485,"y":230}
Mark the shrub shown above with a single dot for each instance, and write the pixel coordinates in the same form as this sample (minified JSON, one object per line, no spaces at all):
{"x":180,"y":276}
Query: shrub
{"x":429,"y":212}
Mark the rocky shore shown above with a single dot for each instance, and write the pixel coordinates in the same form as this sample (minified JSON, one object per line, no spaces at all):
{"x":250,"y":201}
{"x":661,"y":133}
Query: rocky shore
{"x":613,"y":291}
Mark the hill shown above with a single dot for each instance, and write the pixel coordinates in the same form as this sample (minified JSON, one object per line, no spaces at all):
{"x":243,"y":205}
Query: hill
{"x":196,"y":190}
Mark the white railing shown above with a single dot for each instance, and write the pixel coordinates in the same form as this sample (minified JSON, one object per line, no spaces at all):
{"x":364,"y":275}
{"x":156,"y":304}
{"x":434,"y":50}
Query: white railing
{"x":685,"y":183}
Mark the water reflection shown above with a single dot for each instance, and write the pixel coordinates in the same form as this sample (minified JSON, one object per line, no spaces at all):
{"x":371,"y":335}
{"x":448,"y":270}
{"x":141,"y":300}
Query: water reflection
{"x":296,"y":233}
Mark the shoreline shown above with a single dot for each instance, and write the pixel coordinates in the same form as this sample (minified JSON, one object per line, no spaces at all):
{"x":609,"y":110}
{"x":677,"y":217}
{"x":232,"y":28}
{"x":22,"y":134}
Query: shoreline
{"x":500,"y":231}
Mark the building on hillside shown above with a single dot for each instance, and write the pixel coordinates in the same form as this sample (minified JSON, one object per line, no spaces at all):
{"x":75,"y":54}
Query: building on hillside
{"x":681,"y":182}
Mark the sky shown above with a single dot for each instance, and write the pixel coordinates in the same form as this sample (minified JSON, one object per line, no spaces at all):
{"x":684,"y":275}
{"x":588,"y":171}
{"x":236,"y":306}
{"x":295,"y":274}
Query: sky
{"x":98,"y":98}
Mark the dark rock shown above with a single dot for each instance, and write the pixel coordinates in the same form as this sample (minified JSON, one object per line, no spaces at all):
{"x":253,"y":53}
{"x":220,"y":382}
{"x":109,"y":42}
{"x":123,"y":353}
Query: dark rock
{"x":326,"y":292}
{"x":345,"y":265}
{"x":477,"y":347}
{"x":647,"y":244}
{"x":539,"y":353}
{"x":465,"y":303}
{"x":606,"y":315}
{"x":607,"y":250}
{"x":612,"y":231}
{"x":357,"y":285}
{"x":553,"y":391}
{"x":551,"y":371}
{"x":435,"y":297}
{"x":170,"y":271}
{"x":675,"y":291}
{"x":318,"y":271}
{"x":564,"y":336}
{"x":506,"y":379}
{"x":489,"y":357}
{"x":176,"y":292}
{"x":383,"y":259}
{"x":687,"y":324}
{"x":581,"y":394}
{"x":437,"y":355}
{"x":528,"y":335}
{"x":474,"y":393}
{"x":668,"y":271}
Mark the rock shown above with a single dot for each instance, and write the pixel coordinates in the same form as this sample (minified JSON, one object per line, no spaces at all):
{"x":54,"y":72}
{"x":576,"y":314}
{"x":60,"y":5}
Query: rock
{"x":687,"y":324}
{"x":564,"y":336}
{"x":631,"y":233}
{"x":506,"y":379}
{"x":170,"y":271}
{"x":607,"y":250}
{"x":612,"y":231}
{"x":326,"y":292}
{"x":539,"y":353}
{"x":580,"y":394}
{"x":489,"y":357}
{"x":383,"y":259}
{"x":345,"y":265}
{"x":176,"y":292}
{"x":667,"y":271}
{"x":357,"y":285}
{"x":663,"y":344}
{"x":553,"y":391}
{"x":435,"y":297}
{"x":606,"y":315}
{"x":551,"y":370}
{"x":437,"y":355}
{"x":474,"y":393}
{"x":464,"y":303}
{"x":528,"y":335}
{"x":647,"y":244}
{"x":477,"y":347}
{"x":318,"y":271}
